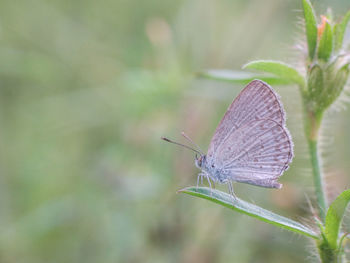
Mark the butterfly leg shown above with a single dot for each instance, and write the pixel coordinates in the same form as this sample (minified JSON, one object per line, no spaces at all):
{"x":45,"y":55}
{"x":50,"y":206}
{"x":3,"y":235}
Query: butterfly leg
{"x":230,"y":189}
{"x":209,"y":182}
{"x":200,"y":176}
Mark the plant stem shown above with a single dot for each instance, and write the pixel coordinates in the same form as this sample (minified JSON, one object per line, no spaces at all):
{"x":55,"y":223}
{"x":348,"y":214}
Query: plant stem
{"x":321,"y":201}
{"x":312,"y":125}
{"x":327,"y":254}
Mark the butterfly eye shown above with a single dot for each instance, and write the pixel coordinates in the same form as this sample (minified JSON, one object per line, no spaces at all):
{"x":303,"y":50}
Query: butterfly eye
{"x":212,"y":165}
{"x":200,"y":160}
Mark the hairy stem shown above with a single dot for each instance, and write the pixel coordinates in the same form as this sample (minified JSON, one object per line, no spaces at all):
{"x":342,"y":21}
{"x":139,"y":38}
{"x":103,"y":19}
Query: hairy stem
{"x":327,"y":254}
{"x":312,"y":126}
{"x":315,"y":162}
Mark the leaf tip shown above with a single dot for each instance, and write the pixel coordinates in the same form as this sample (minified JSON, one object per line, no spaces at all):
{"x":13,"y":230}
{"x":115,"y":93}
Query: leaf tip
{"x":245,"y":65}
{"x":183,"y":190}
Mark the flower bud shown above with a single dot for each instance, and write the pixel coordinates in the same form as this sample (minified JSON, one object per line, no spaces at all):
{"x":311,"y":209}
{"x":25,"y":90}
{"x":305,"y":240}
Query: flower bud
{"x":325,"y":84}
{"x":315,"y":87}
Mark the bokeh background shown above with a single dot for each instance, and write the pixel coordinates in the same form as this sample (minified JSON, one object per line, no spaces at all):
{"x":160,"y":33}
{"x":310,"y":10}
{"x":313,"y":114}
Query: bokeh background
{"x":87,"y":88}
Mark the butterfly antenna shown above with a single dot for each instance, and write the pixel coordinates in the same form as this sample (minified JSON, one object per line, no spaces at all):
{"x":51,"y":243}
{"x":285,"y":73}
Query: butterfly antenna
{"x":183,"y":145}
{"x":193,"y":143}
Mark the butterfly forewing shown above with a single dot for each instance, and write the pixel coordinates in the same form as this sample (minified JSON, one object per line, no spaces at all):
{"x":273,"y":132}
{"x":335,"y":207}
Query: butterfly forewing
{"x":255,"y":102}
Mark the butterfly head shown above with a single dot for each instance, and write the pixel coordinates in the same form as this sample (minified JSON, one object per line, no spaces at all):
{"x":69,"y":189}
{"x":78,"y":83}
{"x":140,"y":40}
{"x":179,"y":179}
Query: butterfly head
{"x":200,"y":160}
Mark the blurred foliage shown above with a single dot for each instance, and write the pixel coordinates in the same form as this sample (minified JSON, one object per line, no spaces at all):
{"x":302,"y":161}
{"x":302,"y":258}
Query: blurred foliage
{"x":86,"y":91}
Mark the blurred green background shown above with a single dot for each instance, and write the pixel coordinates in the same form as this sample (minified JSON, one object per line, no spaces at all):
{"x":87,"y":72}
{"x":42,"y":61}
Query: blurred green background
{"x":87,"y":88}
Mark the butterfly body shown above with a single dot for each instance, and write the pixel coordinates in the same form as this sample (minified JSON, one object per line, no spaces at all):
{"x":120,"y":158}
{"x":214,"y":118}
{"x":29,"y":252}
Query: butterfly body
{"x":215,"y":173}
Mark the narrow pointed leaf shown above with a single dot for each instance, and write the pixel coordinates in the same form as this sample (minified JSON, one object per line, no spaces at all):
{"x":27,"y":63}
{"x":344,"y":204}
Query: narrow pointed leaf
{"x":326,"y":43}
{"x":279,"y":69}
{"x":249,"y":209}
{"x":334,"y":217}
{"x":310,"y":27}
{"x":240,"y":77}
{"x":339,"y":32}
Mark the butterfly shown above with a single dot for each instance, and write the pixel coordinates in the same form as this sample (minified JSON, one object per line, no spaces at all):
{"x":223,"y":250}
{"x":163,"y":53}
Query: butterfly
{"x":251,"y":144}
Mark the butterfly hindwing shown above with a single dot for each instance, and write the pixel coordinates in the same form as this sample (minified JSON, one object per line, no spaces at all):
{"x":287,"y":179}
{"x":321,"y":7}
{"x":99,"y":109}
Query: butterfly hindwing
{"x":256,"y":153}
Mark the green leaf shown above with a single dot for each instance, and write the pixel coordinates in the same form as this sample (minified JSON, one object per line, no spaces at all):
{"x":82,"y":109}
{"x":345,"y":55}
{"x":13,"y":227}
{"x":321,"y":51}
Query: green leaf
{"x":310,"y":27}
{"x":325,"y":47}
{"x":240,"y":77}
{"x":334,"y":217}
{"x":339,"y":32}
{"x":315,"y":84}
{"x":252,"y":210}
{"x":279,"y":69}
{"x":336,"y":82}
